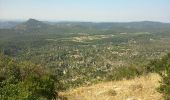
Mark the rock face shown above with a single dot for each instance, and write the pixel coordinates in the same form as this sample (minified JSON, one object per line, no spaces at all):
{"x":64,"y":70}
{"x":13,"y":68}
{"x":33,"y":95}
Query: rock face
{"x":139,"y":88}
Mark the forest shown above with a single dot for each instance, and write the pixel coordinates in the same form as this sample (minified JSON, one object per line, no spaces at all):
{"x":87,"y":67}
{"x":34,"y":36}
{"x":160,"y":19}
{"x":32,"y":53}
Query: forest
{"x":39,"y":59}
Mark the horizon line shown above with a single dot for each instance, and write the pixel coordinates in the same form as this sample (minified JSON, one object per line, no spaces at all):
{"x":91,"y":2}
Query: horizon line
{"x":55,"y":20}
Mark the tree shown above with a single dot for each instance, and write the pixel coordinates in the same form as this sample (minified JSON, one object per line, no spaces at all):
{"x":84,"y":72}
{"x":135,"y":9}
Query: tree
{"x":24,"y":80}
{"x":165,"y":74}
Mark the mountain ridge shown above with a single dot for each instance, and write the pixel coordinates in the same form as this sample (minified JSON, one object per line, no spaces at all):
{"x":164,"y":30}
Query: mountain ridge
{"x":33,"y":24}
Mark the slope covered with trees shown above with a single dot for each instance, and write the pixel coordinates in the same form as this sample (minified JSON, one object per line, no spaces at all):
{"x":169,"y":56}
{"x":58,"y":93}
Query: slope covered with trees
{"x":24,"y":81}
{"x":46,"y":58}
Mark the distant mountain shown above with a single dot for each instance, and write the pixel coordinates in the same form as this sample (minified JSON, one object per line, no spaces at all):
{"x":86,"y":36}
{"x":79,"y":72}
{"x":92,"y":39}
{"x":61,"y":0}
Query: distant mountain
{"x":8,"y":24}
{"x":32,"y":24}
{"x":67,"y":27}
{"x":143,"y":25}
{"x":114,"y":25}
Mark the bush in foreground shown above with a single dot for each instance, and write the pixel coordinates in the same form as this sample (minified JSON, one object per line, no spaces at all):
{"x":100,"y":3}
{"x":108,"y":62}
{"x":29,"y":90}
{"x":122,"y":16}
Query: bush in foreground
{"x":24,"y":81}
{"x":165,"y":82}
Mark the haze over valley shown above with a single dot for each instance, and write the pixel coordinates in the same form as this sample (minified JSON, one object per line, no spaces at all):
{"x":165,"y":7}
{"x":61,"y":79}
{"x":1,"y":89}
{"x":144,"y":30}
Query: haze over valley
{"x":105,"y":50}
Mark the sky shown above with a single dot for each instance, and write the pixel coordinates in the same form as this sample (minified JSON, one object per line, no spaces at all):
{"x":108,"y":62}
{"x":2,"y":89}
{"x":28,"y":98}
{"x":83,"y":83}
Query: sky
{"x":86,"y":10}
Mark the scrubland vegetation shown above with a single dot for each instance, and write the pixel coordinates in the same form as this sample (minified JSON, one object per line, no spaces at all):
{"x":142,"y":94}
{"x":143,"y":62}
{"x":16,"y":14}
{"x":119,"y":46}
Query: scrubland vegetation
{"x":42,"y":62}
{"x":138,"y":88}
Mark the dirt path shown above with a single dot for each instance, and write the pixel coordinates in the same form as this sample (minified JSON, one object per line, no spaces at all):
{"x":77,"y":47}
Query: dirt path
{"x":140,"y":88}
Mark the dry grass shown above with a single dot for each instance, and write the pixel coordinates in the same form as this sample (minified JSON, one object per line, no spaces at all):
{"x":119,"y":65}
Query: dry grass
{"x":89,"y":38}
{"x":140,"y":88}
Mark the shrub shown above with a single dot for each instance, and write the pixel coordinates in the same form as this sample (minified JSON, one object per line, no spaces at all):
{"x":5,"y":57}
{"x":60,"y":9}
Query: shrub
{"x":165,"y":74}
{"x":24,"y":80}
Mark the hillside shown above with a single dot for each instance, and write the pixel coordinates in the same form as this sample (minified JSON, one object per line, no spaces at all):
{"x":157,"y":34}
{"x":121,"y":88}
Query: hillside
{"x":139,"y":88}
{"x":31,"y":24}
{"x":80,"y":54}
{"x":84,"y":50}
{"x":9,"y":24}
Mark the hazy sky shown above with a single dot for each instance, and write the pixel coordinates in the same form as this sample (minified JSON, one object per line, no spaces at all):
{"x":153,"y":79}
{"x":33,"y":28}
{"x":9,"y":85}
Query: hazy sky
{"x":86,"y":10}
